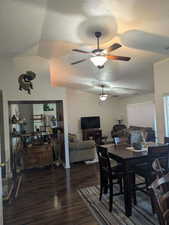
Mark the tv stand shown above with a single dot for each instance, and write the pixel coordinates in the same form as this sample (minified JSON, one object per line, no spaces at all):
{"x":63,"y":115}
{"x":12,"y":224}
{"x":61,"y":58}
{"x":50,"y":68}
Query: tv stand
{"x":94,"y":134}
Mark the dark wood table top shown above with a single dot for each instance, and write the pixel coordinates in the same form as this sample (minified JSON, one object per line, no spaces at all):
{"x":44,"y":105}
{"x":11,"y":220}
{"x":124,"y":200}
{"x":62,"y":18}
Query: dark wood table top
{"x":122,"y":153}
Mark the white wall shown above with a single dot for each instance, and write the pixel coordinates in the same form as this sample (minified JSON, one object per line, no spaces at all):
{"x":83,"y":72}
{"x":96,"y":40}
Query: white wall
{"x":42,"y":91}
{"x":82,"y":104}
{"x":2,"y":138}
{"x":161,"y":88}
{"x":134,"y":100}
{"x":1,"y":192}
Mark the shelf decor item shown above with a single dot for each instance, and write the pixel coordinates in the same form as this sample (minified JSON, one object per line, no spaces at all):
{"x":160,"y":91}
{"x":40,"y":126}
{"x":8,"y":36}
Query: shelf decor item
{"x":14,"y":119}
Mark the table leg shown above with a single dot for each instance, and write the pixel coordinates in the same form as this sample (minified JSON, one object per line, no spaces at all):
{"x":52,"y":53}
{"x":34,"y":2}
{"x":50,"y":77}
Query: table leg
{"x":134,"y":188}
{"x":105,"y":185}
{"x":128,"y":194}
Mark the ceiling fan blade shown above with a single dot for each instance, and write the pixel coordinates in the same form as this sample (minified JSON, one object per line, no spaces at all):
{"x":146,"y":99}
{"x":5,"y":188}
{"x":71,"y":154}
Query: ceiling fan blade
{"x":81,"y":51}
{"x":112,"y":47}
{"x":79,"y":61}
{"x":115,"y":57}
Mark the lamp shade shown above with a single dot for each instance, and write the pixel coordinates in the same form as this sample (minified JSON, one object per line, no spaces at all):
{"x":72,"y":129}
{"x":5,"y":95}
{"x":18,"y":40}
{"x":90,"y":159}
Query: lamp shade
{"x":99,"y":60}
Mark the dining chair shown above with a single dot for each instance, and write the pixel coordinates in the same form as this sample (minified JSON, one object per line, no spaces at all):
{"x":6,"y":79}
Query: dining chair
{"x":121,"y":140}
{"x":109,"y":175}
{"x":159,"y":191}
{"x":166,"y":140}
{"x":158,"y":169}
{"x":145,"y":170}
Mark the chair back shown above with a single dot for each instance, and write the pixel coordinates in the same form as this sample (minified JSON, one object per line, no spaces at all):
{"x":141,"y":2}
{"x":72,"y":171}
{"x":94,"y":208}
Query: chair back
{"x":160,"y":152}
{"x":159,"y":170}
{"x":166,"y":140}
{"x":159,"y":191}
{"x":104,"y":161}
{"x":136,"y":136}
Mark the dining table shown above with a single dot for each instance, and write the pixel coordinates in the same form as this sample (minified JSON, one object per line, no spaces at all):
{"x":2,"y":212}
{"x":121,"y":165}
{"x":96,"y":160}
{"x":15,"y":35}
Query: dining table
{"x":127,"y":158}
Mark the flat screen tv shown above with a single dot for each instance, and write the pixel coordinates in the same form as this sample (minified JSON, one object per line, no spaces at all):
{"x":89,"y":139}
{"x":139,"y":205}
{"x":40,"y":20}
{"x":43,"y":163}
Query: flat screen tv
{"x":90,"y":122}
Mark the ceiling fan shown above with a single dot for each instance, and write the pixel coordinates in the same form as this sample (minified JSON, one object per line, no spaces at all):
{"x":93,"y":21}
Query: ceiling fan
{"x":99,"y":56}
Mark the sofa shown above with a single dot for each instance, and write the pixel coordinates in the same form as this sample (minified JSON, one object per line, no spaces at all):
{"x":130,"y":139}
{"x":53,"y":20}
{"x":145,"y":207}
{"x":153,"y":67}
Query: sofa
{"x":141,"y":134}
{"x":81,"y":150}
{"x":133,"y":134}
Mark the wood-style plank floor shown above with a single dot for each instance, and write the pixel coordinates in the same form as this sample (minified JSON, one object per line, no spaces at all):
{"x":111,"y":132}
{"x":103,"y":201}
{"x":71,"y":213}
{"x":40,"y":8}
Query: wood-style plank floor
{"x":49,"y":196}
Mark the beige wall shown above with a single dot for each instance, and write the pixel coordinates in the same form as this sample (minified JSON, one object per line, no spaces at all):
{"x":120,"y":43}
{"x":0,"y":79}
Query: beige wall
{"x":161,"y":87}
{"x":42,"y":91}
{"x":76,"y":103}
{"x":81,"y":104}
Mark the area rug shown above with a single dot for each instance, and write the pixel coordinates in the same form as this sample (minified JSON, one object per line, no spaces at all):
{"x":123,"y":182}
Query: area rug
{"x":141,"y":214}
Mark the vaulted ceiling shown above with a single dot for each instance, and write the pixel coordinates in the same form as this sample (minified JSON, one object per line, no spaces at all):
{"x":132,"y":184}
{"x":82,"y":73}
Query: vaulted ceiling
{"x":40,"y":34}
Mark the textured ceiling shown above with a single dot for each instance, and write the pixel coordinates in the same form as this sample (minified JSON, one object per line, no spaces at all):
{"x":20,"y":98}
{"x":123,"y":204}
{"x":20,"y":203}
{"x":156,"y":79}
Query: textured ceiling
{"x":39,"y":34}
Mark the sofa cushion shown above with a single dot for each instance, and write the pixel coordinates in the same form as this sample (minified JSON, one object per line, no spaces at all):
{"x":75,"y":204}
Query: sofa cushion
{"x":72,"y":137}
{"x":82,"y":145}
{"x":77,"y":156}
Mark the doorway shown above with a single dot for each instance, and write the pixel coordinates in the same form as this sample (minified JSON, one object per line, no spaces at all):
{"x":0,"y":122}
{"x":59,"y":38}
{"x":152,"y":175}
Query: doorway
{"x":36,"y":137}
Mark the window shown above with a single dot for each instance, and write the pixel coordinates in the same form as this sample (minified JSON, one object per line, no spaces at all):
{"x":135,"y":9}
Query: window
{"x":141,"y":114}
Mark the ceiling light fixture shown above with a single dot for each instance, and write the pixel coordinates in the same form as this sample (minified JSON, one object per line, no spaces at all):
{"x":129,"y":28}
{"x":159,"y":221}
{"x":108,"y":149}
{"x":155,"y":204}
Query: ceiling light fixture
{"x":99,"y":56}
{"x":103,"y":96}
{"x":98,"y":60}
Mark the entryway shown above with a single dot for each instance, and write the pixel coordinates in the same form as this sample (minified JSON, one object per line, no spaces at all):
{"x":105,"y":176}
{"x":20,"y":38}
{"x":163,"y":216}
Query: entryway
{"x":36,"y":142}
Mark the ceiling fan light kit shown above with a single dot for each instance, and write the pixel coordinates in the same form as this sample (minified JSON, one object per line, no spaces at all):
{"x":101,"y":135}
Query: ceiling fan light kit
{"x":103,"y":97}
{"x":98,"y":61}
{"x":99,"y":56}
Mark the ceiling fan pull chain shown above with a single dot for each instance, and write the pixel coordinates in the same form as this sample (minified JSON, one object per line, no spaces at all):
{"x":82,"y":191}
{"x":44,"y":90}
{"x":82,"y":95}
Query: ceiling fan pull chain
{"x":102,"y":86}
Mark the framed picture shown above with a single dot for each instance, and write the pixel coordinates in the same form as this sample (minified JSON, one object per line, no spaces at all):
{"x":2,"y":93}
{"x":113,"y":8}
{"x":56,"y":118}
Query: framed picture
{"x":48,"y":107}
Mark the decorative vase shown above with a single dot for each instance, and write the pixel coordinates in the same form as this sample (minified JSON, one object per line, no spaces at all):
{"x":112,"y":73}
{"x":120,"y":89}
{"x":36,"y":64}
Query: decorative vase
{"x":14,"y":119}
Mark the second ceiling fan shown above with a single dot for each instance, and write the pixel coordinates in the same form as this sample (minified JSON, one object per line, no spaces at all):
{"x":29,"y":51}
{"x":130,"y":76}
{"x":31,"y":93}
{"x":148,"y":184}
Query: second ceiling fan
{"x":99,"y":56}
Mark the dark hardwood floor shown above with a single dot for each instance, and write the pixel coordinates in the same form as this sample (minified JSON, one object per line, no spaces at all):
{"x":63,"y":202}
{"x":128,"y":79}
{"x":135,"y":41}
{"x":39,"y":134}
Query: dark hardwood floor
{"x":49,"y":196}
